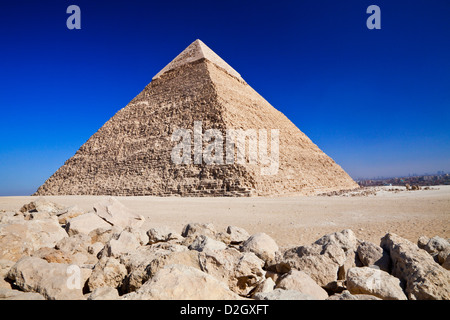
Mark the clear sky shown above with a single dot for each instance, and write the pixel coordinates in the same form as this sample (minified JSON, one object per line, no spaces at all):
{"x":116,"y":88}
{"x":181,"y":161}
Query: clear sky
{"x":376,"y":101}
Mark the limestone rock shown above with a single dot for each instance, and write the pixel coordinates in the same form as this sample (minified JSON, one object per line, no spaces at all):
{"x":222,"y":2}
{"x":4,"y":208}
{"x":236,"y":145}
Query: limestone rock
{"x":68,"y":213}
{"x":300,"y":281}
{"x":323,"y":259}
{"x":22,"y":238}
{"x":5,"y":265}
{"x":104,"y":293}
{"x":162,"y":234}
{"x":206,"y":229}
{"x":10,"y":294}
{"x":262,"y":245}
{"x":237,"y":234}
{"x":116,"y":214}
{"x":74,"y":244}
{"x":268,"y":285}
{"x":52,"y":280}
{"x":372,"y":255}
{"x":178,"y":282}
{"x":241,"y":272}
{"x":124,"y":242}
{"x":346,"y":295}
{"x":108,"y":272}
{"x":423,"y":278}
{"x":85,"y":223}
{"x":374,"y":281}
{"x":41,"y":205}
{"x":204,"y":243}
{"x":281,"y":294}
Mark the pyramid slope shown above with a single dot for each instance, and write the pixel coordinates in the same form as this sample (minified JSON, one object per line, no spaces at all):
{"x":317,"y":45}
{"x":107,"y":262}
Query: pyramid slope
{"x":131,"y":153}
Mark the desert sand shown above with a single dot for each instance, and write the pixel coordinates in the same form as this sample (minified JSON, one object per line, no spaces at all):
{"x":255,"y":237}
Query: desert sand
{"x":291,"y":221}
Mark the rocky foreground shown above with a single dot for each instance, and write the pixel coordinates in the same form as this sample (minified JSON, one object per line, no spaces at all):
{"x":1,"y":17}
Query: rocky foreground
{"x":48,"y":251}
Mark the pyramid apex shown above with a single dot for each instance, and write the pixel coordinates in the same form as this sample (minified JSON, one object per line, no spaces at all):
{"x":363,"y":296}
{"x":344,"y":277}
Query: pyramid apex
{"x":195,"y":51}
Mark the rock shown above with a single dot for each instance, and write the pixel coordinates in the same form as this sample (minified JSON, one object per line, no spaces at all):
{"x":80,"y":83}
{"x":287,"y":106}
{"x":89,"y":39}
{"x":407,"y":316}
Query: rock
{"x":237,"y":235}
{"x":423,"y":278}
{"x":120,"y":244}
{"x":422,"y":241}
{"x":376,"y":282}
{"x":206,"y":229}
{"x":136,"y":263}
{"x":123,"y":243}
{"x":95,"y":248}
{"x":242,"y":272}
{"x":68,"y":213}
{"x":262,"y":245}
{"x":104,"y":293}
{"x":178,"y":282}
{"x":346,"y":295}
{"x":162,"y":234}
{"x":103,"y":235}
{"x":11,"y":217}
{"x":140,"y":234}
{"x":86,"y":223}
{"x":323,"y":259}
{"x":436,"y":245}
{"x":248,"y":273}
{"x":53,"y":255}
{"x":204,"y":243}
{"x":442,"y":256}
{"x":5,"y":265}
{"x":446,"y":263}
{"x":116,"y":214}
{"x":346,"y":240}
{"x":372,"y":255}
{"x":108,"y":272}
{"x":74,"y":244}
{"x":10,"y":294}
{"x":55,"y":281}
{"x":23,"y":238}
{"x":300,"y":281}
{"x":186,"y":258}
{"x":281,"y":294}
{"x":41,"y":205}
{"x":268,"y":285}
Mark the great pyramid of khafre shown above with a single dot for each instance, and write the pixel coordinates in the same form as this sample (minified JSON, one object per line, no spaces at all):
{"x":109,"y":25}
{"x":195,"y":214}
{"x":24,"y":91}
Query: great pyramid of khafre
{"x":131,"y":154}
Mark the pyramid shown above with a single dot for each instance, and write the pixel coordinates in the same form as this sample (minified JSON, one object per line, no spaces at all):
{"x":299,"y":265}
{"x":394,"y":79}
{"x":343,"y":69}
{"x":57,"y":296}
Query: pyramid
{"x":198,"y":93}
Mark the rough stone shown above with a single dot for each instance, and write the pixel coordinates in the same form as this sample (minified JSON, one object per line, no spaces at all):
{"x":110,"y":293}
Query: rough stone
{"x":52,"y":280}
{"x":300,"y":281}
{"x":422,"y":277}
{"x":376,"y":282}
{"x":104,"y":293}
{"x":108,"y":272}
{"x":125,"y":242}
{"x":162,"y":234}
{"x":281,"y":294}
{"x":22,"y":238}
{"x":179,"y":282}
{"x":346,"y":295}
{"x":86,"y":223}
{"x":237,"y":234}
{"x":262,"y":245}
{"x":204,"y":243}
{"x":372,"y":255}
{"x":116,"y":214}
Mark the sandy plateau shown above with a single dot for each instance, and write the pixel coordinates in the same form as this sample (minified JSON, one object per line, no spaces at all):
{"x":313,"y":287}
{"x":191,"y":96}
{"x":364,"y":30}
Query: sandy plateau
{"x":292,"y":220}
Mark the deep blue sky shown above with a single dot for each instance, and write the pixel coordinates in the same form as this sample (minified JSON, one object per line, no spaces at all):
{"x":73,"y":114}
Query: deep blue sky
{"x":376,"y":101}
